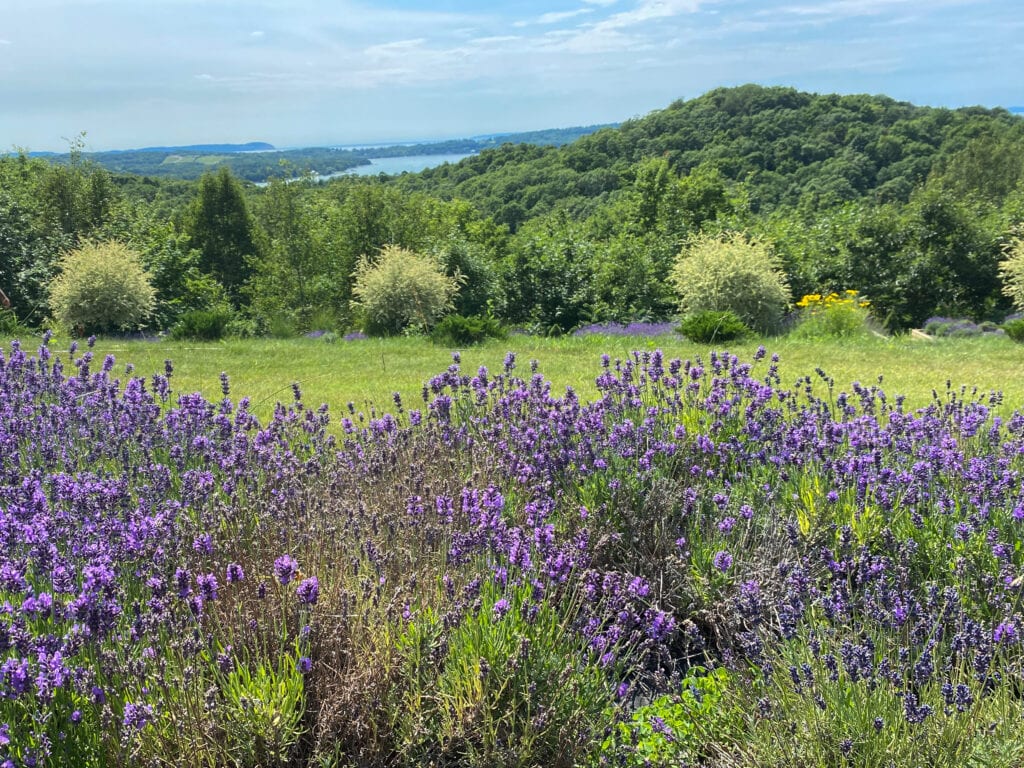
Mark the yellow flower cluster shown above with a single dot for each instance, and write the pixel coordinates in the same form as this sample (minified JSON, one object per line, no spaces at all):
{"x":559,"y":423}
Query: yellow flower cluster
{"x":848,"y":298}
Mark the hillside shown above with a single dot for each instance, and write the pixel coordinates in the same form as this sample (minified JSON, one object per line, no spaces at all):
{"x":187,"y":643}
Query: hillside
{"x":787,"y":147}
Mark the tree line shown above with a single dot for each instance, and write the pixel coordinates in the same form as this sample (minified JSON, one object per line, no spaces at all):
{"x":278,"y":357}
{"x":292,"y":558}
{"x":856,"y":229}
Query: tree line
{"x":914,"y":207}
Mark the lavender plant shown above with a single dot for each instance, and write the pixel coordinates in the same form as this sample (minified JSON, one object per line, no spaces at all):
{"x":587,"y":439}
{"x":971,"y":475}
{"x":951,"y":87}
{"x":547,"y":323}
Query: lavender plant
{"x":502,"y":575}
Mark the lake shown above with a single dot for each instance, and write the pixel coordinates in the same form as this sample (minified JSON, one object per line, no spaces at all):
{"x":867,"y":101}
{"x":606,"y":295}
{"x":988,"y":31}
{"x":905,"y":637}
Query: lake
{"x":392,"y":165}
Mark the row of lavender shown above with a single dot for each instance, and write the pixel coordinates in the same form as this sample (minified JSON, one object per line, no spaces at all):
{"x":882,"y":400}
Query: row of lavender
{"x":699,"y":566}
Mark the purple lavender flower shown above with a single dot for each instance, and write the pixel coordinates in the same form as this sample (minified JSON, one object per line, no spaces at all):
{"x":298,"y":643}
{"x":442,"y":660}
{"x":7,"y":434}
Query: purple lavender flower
{"x":137,"y":716}
{"x":304,"y":665}
{"x":308,"y":590}
{"x":501,"y":607}
{"x":285,"y":568}
{"x":722,"y":561}
{"x":1005,"y":632}
{"x":234,"y":573}
{"x":658,"y":725}
{"x":207,"y":586}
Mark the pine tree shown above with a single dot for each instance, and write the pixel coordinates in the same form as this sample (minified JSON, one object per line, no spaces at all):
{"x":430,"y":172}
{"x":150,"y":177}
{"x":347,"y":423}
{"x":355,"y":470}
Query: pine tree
{"x":220,"y":228}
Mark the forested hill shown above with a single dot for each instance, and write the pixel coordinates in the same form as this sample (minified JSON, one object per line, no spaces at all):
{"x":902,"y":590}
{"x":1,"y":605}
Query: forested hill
{"x":787,"y":147}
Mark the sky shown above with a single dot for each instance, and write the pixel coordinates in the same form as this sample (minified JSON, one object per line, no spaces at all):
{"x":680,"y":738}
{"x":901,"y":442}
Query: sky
{"x":133,"y":73}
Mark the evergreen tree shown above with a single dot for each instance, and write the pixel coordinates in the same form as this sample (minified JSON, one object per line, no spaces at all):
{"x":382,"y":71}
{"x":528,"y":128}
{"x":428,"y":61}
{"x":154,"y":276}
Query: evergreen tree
{"x":220,"y":228}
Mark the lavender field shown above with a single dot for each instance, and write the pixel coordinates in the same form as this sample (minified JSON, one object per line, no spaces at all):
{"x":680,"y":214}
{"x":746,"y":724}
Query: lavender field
{"x":698,"y":566}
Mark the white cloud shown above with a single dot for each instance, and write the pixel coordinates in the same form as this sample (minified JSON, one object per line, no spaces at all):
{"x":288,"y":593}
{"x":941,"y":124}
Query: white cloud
{"x":617,"y":32}
{"x":842,"y":9}
{"x":557,"y":16}
{"x":553,"y":17}
{"x":649,"y":10}
{"x":256,"y":35}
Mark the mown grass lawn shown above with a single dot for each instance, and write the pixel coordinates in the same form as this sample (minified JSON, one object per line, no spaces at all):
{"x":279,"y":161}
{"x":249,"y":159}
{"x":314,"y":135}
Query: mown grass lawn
{"x":372,"y":370}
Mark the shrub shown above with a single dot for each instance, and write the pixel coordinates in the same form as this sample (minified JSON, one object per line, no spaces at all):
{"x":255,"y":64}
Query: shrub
{"x":936,"y":326}
{"x":833,"y":315}
{"x":1015,"y":329}
{"x":674,"y":728}
{"x":710,"y":326}
{"x":101,"y":287}
{"x":1011,"y":270}
{"x":402,"y":289}
{"x":732,"y":273}
{"x":9,"y":322}
{"x":202,"y":325}
{"x":456,"y":330}
{"x":957,"y":328}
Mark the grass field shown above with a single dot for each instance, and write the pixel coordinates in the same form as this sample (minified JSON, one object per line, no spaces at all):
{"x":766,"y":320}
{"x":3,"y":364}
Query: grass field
{"x":372,"y":370}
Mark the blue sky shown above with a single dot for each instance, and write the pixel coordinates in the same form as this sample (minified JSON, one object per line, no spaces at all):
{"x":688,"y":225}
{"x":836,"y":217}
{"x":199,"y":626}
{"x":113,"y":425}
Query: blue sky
{"x":310,"y":72}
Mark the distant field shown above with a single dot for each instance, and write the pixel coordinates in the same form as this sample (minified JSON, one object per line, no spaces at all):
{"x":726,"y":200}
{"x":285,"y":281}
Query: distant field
{"x":201,"y":159}
{"x":371,"y":370}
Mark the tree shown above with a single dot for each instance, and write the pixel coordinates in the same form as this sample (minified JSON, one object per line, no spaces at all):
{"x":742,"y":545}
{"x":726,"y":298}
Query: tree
{"x":220,"y":228}
{"x":291,"y":279}
{"x":548,"y":278}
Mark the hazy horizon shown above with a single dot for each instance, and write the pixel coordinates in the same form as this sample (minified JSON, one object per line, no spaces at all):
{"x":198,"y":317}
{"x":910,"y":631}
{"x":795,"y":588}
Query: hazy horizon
{"x":313,"y":73}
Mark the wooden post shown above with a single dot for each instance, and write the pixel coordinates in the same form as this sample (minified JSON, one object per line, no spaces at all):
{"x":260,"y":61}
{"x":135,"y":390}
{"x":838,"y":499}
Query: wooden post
{"x":4,"y":301}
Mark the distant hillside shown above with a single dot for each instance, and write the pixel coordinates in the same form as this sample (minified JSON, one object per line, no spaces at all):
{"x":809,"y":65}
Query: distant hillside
{"x":252,"y":146}
{"x":554,"y":137}
{"x":786,"y":147}
{"x":259,"y":161}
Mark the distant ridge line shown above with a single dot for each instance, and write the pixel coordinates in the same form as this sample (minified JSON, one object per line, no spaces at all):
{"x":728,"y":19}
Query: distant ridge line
{"x":252,"y":146}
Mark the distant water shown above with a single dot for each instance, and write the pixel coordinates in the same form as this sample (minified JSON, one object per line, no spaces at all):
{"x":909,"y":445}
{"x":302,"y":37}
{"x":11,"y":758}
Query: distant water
{"x":391,"y":165}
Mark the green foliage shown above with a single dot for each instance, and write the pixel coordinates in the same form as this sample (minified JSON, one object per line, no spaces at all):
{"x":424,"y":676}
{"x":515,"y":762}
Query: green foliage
{"x":202,"y":325}
{"x":219,"y":226}
{"x":710,"y":327}
{"x":9,"y":324}
{"x":631,"y":277}
{"x":174,"y":271}
{"x":785,"y":146}
{"x":1015,"y":329}
{"x":732,"y":273}
{"x":548,"y":276}
{"x":402,"y":289}
{"x":866,"y":724}
{"x":1011,"y":271}
{"x":675,"y":729}
{"x":457,"y":330}
{"x":292,"y":278}
{"x":510,"y":687}
{"x":102,"y":287}
{"x":76,"y":196}
{"x":261,"y":712}
{"x":30,"y":243}
{"x":462,"y":256}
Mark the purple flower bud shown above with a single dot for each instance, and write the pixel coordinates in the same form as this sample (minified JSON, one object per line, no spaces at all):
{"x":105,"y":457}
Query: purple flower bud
{"x":308,"y":591}
{"x":285,"y":568}
{"x":722,"y":561}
